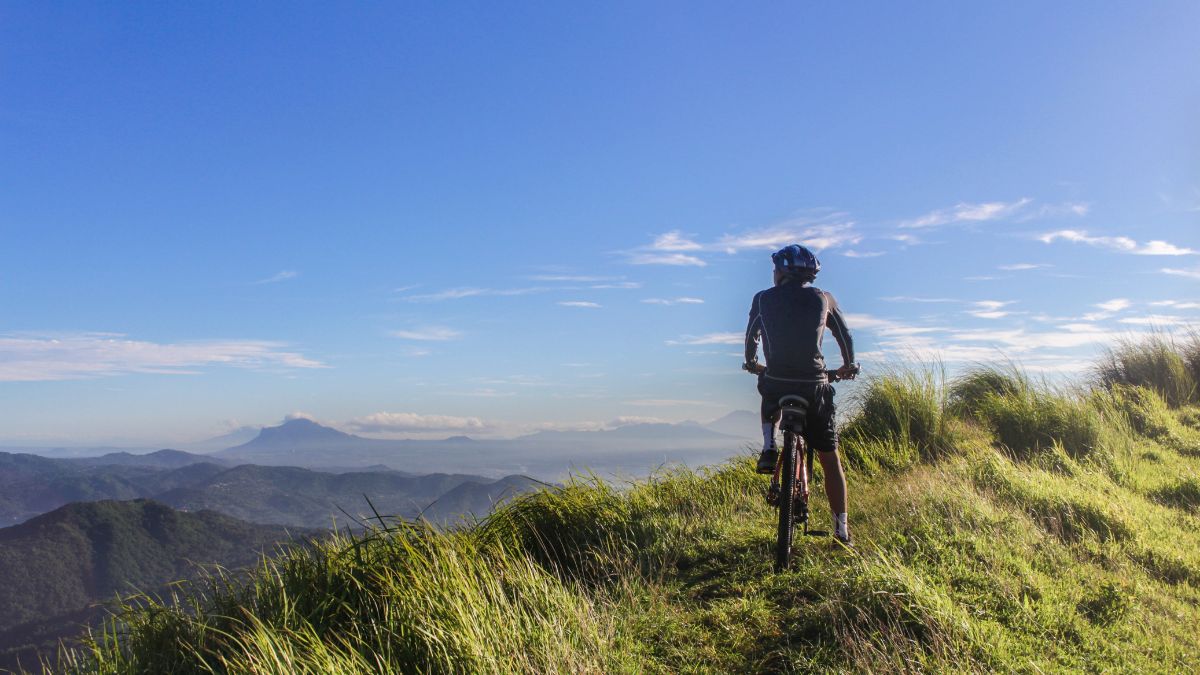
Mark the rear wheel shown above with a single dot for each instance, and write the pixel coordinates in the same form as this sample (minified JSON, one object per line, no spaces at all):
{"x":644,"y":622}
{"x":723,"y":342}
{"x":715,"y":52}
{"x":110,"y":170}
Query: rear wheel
{"x":787,"y":501}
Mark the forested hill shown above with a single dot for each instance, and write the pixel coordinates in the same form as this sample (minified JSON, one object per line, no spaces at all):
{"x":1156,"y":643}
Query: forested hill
{"x":64,"y":561}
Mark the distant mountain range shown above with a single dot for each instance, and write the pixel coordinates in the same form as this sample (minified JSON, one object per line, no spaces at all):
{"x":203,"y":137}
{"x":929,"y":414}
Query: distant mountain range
{"x":57,"y":566}
{"x":279,"y":495}
{"x":631,"y":449}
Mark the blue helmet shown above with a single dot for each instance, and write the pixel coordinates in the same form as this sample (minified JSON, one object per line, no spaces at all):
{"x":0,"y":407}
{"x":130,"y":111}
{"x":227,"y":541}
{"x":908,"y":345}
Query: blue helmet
{"x":796,"y":259}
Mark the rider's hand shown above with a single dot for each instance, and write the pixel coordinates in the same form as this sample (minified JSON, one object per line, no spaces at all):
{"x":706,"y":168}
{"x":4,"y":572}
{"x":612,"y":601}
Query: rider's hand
{"x":848,"y":371}
{"x":756,"y":368}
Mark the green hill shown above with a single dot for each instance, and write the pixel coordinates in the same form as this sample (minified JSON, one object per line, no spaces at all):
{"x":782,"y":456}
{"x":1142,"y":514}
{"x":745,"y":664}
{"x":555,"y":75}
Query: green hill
{"x":57,"y":566}
{"x":1000,"y":525}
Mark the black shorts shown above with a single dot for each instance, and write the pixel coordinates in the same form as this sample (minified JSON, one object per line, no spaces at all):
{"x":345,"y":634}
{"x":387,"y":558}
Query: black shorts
{"x":820,"y":425}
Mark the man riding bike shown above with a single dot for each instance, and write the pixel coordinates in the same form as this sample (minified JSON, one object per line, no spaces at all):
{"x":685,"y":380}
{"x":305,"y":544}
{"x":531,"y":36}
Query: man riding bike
{"x":791,"y":319}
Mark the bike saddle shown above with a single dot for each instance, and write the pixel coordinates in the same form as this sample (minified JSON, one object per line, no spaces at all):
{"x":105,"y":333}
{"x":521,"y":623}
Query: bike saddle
{"x":793,"y":401}
{"x":795,"y":408}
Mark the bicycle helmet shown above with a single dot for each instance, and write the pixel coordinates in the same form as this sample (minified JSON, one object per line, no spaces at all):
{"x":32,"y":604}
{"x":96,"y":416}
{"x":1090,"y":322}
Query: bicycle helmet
{"x":796,"y":260}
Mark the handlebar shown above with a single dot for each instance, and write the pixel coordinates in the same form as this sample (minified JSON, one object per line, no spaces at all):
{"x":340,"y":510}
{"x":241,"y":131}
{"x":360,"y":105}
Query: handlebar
{"x":831,"y":375}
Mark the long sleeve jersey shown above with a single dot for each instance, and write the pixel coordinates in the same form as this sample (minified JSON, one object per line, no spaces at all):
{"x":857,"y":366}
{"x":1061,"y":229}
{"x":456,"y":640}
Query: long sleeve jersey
{"x":791,"y":321}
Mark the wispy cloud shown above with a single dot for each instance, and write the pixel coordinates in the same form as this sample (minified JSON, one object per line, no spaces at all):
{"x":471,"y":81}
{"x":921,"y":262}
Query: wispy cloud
{"x":673,"y":259}
{"x":1157,"y":320}
{"x":473,"y":292}
{"x":428,"y":333}
{"x":680,"y":249}
{"x":709,"y":339}
{"x":619,"y":285}
{"x":851,"y":253}
{"x":964,"y":212}
{"x":1190,"y":274}
{"x":1119,"y":244}
{"x":673,"y":301}
{"x":990,"y":309}
{"x":1177,"y":304}
{"x":1114,"y":305}
{"x":395,"y":422}
{"x":279,"y":276}
{"x":31,"y":358}
{"x":579,"y":303}
{"x":675,"y":241}
{"x":1050,"y":350}
{"x":818,"y":236}
{"x":1022,"y":267}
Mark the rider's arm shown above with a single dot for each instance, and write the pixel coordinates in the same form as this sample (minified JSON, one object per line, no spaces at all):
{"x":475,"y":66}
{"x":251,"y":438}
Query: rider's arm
{"x":841,"y":333}
{"x":753,"y":330}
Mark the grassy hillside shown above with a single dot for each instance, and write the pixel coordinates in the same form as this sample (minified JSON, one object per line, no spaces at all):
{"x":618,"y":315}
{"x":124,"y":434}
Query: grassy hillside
{"x":1000,"y":525}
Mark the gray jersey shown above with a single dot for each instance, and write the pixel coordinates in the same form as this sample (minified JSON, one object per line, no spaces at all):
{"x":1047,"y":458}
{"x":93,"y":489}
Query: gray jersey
{"x":791,"y":321}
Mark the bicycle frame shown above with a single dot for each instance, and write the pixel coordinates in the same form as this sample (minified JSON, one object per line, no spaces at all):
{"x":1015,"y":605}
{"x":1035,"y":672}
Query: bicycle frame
{"x":790,"y":482}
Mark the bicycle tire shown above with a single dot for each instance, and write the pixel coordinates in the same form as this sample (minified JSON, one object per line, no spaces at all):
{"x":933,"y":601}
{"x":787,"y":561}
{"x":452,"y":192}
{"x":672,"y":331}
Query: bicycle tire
{"x":787,"y":501}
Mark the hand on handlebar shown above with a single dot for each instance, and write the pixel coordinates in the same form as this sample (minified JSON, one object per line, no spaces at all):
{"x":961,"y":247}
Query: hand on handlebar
{"x":754,"y":368}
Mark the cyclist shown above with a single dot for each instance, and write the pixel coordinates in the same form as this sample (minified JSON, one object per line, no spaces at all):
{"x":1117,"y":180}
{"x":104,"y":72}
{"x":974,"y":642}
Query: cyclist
{"x":791,"y":319}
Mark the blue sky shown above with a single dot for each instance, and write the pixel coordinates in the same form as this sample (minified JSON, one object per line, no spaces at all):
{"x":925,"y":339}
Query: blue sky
{"x":487,"y":218}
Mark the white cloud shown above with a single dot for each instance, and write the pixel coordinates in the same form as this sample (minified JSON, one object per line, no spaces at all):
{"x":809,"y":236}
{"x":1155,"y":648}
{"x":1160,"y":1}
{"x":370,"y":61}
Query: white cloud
{"x":674,"y":248}
{"x":1119,"y":244}
{"x":1162,"y":320}
{"x":1021,"y":267}
{"x":710,"y":339}
{"x":1176,"y":304}
{"x":620,"y":285}
{"x":675,"y":259}
{"x":990,"y":309}
{"x":815,"y":236}
{"x":1114,"y":305}
{"x":459,"y":293}
{"x":31,"y":358}
{"x":578,"y":303}
{"x":675,"y":301}
{"x":674,"y":241}
{"x":967,"y":213}
{"x":431,"y":333}
{"x":393,"y":422}
{"x":1191,"y":274}
{"x":862,"y":254}
{"x":279,"y":276}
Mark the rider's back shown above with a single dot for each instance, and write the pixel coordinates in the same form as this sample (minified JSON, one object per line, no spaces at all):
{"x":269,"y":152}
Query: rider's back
{"x":792,"y":319}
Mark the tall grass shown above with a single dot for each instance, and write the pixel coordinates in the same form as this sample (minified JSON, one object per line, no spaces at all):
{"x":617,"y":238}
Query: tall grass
{"x":398,"y":599}
{"x":899,"y":419}
{"x":1155,"y":362}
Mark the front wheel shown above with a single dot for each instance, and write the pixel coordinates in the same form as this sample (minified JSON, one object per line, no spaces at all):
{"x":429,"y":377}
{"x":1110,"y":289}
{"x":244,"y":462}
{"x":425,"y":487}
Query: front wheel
{"x":787,"y":501}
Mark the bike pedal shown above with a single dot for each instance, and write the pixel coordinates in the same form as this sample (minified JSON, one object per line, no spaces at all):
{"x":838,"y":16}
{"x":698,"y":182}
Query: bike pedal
{"x":772,"y":496}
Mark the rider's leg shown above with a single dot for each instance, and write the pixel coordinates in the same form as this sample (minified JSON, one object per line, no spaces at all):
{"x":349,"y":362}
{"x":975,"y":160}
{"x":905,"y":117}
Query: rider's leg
{"x":835,"y":481}
{"x":768,"y":429}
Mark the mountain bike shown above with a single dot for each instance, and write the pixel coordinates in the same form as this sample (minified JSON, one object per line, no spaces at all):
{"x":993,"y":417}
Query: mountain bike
{"x":789,"y":489}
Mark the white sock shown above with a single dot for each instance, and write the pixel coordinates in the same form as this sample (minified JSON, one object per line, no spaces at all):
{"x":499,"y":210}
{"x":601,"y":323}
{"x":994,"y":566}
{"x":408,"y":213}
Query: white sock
{"x":768,"y":435}
{"x":840,"y":525}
